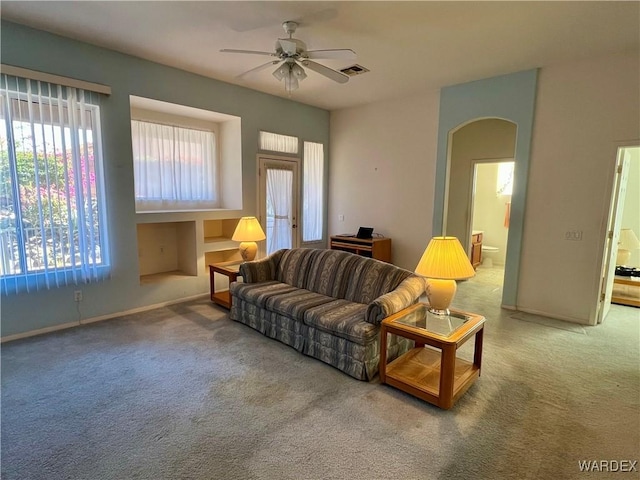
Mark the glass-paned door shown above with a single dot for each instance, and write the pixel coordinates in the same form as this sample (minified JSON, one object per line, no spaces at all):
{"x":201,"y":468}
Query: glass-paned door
{"x":278,"y":202}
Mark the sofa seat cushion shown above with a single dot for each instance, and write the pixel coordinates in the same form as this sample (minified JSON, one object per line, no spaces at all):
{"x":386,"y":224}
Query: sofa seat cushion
{"x":259,"y":293}
{"x":295,"y":303}
{"x":344,"y":319}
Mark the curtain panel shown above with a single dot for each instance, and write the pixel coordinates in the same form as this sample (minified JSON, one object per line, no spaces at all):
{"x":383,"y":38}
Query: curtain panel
{"x":275,"y":142}
{"x":312,"y":197}
{"x":279,"y":213}
{"x":175,"y":168}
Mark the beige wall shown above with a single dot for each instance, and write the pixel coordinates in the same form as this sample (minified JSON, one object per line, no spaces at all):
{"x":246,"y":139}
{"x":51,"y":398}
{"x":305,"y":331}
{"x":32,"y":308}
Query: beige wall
{"x":582,"y":110}
{"x":383,"y":161}
{"x":479,"y":140}
{"x":382,"y":169}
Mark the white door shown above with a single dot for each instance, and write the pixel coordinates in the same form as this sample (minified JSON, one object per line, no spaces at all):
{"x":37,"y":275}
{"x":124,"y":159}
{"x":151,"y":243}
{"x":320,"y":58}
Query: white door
{"x":613,"y":231}
{"x":278,"y":201}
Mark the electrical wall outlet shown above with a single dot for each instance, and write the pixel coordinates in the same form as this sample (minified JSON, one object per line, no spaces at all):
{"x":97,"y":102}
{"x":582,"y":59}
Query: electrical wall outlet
{"x":77,"y":295}
{"x":574,"y":235}
{"x":341,"y":218}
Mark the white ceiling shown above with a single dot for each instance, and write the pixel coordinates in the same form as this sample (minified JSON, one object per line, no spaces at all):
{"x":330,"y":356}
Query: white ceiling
{"x":408,"y":46}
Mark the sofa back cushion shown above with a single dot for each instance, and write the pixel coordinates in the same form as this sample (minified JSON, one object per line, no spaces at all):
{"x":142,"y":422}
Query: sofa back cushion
{"x":338,"y":274}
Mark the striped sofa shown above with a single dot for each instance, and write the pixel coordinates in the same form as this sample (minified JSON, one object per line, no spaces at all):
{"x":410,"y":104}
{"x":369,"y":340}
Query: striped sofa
{"x":326,"y":304}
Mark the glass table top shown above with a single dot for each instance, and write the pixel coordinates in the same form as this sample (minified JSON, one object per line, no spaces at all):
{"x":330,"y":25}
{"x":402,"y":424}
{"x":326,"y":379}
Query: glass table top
{"x":444,"y":325}
{"x":233,"y":266}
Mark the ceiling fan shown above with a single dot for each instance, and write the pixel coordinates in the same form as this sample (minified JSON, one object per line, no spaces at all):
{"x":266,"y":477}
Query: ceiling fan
{"x":292,"y":54}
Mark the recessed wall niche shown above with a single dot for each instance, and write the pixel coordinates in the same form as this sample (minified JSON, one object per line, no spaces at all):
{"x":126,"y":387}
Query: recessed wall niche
{"x":227,"y":130}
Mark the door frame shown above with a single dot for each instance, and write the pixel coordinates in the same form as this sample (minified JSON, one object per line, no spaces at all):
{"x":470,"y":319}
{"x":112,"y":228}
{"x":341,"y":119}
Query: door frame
{"x":293,"y":163}
{"x":474,"y":163}
{"x":612,"y":231}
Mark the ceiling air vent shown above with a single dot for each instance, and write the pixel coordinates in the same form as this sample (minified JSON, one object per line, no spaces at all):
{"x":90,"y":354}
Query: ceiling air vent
{"x":354,"y":70}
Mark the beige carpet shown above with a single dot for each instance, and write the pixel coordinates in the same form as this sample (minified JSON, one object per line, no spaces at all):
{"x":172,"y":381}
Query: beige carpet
{"x":184,"y":393}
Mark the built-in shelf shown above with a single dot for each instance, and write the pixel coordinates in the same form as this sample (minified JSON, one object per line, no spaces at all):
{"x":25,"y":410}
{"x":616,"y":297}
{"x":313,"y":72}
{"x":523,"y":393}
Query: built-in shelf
{"x":166,"y":249}
{"x":174,"y":250}
{"x":219,"y":243}
{"x":163,"y":277}
{"x":218,"y":246}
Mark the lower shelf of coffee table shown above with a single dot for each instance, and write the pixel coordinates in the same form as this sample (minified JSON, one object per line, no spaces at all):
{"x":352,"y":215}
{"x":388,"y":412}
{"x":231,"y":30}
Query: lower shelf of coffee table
{"x":420,"y":368}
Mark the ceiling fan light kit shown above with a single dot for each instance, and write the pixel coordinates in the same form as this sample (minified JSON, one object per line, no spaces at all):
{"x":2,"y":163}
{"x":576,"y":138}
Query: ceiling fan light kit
{"x":292,"y":54}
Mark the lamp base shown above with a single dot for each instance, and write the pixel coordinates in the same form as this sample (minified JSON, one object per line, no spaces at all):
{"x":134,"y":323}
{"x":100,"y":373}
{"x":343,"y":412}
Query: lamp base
{"x":440,"y":294}
{"x":623,"y":256}
{"x":248,"y":250}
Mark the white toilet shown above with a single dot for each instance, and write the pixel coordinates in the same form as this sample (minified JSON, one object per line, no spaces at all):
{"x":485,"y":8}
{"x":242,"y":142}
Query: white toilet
{"x":488,"y":255}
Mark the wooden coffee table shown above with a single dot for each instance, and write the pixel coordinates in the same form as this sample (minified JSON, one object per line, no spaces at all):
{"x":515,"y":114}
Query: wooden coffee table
{"x":432,"y":371}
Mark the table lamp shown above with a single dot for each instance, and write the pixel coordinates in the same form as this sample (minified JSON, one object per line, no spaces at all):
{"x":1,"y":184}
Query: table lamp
{"x":443,"y":262}
{"x":627,"y":242}
{"x":248,"y":232}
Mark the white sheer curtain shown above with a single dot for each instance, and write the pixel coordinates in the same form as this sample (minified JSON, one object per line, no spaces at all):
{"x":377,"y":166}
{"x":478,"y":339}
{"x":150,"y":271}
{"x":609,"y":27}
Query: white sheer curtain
{"x":52,"y":219}
{"x":278,"y":143}
{"x":175,"y":168}
{"x":312,"y":191}
{"x":279,"y":209}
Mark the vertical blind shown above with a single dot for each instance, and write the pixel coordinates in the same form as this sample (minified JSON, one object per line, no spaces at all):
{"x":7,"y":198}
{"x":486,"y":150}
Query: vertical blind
{"x":52,"y":214}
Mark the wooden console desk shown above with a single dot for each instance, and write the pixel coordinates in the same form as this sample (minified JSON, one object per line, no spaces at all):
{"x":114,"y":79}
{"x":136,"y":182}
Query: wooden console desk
{"x":378,"y":247}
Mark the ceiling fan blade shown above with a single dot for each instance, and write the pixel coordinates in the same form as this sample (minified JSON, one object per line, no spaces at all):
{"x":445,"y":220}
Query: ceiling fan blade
{"x":339,"y":54}
{"x":288,"y":46}
{"x":258,"y":68}
{"x":326,"y":71}
{"x":253,"y":52}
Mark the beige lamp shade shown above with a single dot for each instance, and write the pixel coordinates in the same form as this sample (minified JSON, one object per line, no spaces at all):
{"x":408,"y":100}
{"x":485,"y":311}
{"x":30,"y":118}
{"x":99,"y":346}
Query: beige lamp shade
{"x":628,"y":241}
{"x":443,"y":262}
{"x":445,"y":259}
{"x":248,"y":232}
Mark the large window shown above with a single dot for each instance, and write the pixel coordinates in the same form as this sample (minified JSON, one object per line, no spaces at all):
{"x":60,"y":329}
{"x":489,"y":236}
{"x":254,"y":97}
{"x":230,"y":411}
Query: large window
{"x":175,"y":168}
{"x":52,"y":219}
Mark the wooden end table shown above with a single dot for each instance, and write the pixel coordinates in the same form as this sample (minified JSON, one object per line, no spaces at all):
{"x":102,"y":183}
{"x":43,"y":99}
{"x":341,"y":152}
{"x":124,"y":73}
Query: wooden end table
{"x":432,"y":371}
{"x":229,"y":269}
{"x":626,"y":291}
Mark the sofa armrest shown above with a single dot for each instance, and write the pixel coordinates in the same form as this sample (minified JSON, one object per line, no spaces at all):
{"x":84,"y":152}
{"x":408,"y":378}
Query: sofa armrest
{"x":404,"y":295}
{"x":263,"y":270}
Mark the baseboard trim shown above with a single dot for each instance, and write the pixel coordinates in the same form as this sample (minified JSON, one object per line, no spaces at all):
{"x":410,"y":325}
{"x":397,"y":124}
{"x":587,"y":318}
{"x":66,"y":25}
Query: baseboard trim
{"x":86,"y":321}
{"x":40,"y":331}
{"x":554,"y":316}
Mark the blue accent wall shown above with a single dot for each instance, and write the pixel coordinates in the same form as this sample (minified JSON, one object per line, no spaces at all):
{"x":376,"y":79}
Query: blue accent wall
{"x":126,"y":75}
{"x":509,"y":97}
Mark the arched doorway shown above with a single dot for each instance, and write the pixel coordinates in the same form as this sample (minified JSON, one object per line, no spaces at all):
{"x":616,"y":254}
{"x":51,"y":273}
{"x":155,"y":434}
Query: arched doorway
{"x":509,"y":97}
{"x":475,"y":208}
